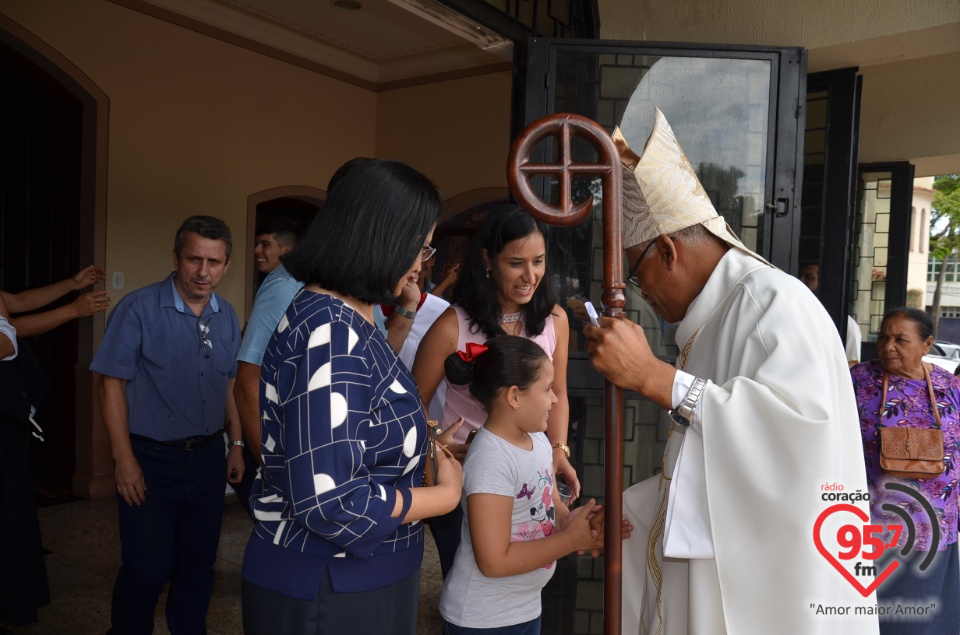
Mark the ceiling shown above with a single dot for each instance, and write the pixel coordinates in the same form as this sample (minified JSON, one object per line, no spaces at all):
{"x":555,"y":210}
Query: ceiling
{"x":938,"y":40}
{"x":381,"y":45}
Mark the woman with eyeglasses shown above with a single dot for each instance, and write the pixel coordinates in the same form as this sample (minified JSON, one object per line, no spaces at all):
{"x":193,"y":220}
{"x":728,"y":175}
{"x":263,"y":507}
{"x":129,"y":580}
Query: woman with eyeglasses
{"x":338,"y":545}
{"x":498,"y":292}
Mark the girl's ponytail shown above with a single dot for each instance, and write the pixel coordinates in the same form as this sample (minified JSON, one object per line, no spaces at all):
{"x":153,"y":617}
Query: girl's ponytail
{"x":502,"y":362}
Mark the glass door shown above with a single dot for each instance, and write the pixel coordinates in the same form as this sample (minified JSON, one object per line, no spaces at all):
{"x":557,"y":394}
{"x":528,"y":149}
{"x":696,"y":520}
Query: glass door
{"x":735,"y":111}
{"x":881,"y":244}
{"x":829,"y":187}
{"x":738,"y":114}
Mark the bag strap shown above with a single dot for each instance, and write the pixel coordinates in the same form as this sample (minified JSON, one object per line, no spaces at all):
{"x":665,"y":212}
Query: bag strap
{"x":933,"y":398}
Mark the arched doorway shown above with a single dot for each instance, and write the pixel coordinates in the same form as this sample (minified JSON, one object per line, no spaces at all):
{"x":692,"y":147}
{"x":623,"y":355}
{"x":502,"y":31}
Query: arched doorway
{"x":298,"y":203}
{"x":462,"y":216}
{"x":52,"y":220}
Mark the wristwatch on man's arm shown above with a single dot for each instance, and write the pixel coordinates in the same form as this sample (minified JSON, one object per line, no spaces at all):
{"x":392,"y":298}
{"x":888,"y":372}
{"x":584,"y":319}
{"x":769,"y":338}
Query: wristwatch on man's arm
{"x":682,"y":415}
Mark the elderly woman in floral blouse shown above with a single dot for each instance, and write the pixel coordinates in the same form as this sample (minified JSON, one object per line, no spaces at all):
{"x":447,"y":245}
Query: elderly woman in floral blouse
{"x":895,"y":391}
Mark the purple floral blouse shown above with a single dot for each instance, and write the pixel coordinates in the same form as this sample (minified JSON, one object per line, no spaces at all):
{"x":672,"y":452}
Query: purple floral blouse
{"x":908,"y":406}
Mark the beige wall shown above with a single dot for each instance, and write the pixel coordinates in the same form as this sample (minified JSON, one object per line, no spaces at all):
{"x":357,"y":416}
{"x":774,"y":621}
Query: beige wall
{"x":919,"y":253}
{"x":457,"y":132}
{"x":910,"y":111}
{"x":811,"y":24}
{"x":196,"y":125}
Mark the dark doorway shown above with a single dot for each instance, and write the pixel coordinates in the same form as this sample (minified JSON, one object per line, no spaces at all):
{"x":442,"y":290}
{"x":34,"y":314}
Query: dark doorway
{"x":453,"y":236}
{"x":40,"y":199}
{"x":300,"y":211}
{"x":829,"y":187}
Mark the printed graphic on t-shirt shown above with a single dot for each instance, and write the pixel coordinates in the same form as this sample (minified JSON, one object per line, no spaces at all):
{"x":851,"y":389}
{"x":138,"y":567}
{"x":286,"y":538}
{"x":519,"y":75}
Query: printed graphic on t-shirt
{"x":542,"y":511}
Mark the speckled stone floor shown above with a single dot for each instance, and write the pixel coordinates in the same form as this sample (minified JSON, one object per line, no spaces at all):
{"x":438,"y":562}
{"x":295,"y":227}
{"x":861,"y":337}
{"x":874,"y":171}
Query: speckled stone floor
{"x":85,"y":554}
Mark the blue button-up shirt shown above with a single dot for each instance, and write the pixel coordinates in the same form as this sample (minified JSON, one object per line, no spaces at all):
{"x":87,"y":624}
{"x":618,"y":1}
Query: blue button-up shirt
{"x":274,"y":296}
{"x":175,"y":390}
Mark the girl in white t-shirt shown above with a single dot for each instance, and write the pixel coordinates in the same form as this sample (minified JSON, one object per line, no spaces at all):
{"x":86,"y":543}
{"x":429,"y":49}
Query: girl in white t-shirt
{"x":514,"y":526}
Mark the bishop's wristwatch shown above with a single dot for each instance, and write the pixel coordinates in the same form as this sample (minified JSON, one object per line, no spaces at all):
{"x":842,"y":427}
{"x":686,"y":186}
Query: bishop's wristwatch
{"x":683,"y":414}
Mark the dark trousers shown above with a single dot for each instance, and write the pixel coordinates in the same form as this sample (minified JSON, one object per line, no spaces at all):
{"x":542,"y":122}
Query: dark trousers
{"x":242,"y":489}
{"x":391,"y":610}
{"x":23,"y":573}
{"x":527,"y":628}
{"x":171,"y":537}
{"x":446,"y":533}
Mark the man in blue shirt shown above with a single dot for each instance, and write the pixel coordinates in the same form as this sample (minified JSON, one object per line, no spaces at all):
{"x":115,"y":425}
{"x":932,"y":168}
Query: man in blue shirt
{"x":167,"y":363}
{"x":274,"y":239}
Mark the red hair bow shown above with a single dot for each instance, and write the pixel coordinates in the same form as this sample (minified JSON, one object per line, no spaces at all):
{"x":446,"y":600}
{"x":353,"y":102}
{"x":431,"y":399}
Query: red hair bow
{"x":473,"y":351}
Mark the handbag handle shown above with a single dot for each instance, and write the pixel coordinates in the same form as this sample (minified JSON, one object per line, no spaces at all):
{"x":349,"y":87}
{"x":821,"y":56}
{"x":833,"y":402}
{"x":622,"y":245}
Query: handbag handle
{"x":933,"y":398}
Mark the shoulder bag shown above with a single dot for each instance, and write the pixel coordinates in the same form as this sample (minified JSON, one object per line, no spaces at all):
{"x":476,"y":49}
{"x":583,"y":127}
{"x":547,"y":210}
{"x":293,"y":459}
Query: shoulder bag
{"x":912,"y":452}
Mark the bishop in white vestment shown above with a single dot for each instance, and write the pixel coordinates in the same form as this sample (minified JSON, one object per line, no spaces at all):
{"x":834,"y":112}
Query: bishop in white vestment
{"x":766,"y":420}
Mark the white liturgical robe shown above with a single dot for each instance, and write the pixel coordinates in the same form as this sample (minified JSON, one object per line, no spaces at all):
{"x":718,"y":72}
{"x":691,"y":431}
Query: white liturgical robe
{"x":777,"y":424}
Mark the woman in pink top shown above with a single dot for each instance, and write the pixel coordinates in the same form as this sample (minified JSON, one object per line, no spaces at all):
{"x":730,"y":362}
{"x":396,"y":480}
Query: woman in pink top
{"x":498,"y":292}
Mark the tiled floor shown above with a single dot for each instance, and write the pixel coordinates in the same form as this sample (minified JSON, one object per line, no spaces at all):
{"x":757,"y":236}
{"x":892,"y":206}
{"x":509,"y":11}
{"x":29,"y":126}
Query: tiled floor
{"x":85,"y":555}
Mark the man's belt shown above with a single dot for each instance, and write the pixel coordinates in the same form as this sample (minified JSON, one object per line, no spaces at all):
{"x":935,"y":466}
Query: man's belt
{"x":192,"y":443}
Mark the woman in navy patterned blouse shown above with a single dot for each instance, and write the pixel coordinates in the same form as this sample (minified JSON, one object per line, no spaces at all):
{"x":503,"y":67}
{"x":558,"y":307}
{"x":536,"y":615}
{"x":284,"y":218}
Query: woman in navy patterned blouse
{"x":339,"y":541}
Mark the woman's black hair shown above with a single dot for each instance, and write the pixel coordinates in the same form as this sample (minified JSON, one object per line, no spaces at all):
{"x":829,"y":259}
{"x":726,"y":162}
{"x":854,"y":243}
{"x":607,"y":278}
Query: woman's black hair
{"x":369,"y":232}
{"x":476,"y":293}
{"x":508,"y":361}
{"x":919,"y":318}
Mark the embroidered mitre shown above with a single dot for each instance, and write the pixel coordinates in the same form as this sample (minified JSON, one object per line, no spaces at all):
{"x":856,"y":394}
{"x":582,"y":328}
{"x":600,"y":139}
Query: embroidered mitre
{"x":661,"y":192}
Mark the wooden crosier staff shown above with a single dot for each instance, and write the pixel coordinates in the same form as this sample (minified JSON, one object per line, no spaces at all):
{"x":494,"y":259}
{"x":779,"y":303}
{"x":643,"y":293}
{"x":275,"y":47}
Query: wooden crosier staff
{"x":569,"y":213}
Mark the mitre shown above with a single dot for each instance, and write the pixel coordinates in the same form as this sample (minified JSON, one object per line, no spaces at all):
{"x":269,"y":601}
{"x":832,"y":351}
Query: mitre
{"x":661,"y":192}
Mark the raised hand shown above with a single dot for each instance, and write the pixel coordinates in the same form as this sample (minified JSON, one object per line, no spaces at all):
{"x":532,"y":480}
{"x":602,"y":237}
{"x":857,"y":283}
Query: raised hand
{"x":91,"y":302}
{"x":458,"y":450}
{"x":87,"y":276}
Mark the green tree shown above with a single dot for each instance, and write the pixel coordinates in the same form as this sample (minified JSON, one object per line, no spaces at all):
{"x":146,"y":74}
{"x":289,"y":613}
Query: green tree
{"x":944,"y":231}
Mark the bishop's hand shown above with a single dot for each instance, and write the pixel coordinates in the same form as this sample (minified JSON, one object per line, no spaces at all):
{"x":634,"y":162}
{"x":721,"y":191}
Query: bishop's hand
{"x":620,"y":352}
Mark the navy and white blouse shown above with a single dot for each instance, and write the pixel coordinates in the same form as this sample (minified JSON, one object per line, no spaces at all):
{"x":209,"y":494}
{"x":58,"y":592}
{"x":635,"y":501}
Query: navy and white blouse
{"x":343,"y":431}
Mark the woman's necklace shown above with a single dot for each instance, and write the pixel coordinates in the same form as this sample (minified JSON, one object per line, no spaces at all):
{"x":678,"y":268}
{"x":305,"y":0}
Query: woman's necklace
{"x":512,"y":318}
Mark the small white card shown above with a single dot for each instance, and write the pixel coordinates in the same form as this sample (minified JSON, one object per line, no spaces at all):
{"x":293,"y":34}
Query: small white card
{"x":592,"y":312}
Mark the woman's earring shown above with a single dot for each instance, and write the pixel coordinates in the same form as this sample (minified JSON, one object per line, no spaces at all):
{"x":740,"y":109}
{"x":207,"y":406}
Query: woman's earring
{"x":488,"y":274}
{"x":516,"y":407}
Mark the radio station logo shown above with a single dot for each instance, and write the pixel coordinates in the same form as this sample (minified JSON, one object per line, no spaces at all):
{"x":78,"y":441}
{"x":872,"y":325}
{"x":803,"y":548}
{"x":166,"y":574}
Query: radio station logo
{"x":862,"y":545}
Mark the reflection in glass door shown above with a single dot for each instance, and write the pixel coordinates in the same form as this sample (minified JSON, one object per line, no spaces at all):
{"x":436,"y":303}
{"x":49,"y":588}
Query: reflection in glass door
{"x":718,"y":108}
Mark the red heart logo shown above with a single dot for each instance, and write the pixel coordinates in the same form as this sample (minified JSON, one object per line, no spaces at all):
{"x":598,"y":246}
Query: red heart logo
{"x":864,"y":591}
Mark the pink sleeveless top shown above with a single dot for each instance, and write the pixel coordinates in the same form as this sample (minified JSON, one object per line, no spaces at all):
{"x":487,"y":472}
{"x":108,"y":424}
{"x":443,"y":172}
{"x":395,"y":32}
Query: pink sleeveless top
{"x":460,"y":403}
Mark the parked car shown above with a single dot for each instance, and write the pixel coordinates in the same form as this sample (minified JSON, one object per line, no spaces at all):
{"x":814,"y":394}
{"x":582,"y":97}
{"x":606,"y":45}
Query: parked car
{"x":945,"y":355}
{"x":945,"y":349}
